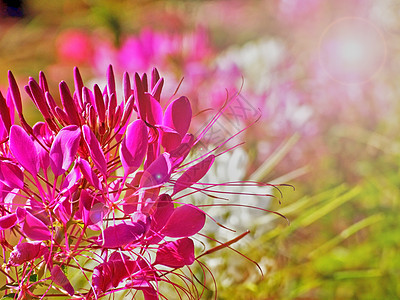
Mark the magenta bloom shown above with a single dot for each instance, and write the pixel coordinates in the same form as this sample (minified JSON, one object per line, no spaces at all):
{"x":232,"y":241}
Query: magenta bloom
{"x":96,"y":182}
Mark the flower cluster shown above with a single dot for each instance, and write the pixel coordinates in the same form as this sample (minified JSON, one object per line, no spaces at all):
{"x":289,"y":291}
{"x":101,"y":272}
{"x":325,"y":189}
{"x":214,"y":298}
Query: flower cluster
{"x":93,"y":188}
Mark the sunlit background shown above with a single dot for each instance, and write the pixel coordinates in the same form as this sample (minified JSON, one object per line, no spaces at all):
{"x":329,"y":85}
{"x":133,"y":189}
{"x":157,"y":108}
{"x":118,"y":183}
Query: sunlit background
{"x":321,"y":77}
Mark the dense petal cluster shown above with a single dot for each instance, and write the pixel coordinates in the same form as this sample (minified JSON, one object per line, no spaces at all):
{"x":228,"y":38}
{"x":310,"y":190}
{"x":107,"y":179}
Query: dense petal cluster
{"x":92,"y":187}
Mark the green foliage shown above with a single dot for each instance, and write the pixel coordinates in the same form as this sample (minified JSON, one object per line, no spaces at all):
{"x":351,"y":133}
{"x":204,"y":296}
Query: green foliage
{"x":9,"y":296}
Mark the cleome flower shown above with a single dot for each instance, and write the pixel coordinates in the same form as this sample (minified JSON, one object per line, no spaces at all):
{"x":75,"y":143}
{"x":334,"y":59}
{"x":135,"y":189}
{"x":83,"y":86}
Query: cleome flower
{"x":91,"y":190}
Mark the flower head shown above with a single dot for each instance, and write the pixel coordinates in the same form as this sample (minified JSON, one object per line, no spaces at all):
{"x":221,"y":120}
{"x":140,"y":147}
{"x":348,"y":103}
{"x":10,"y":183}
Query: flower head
{"x":92,"y":187}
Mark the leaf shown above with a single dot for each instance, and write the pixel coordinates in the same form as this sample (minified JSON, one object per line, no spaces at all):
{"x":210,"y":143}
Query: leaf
{"x":8,"y":286}
{"x":10,"y":296}
{"x":24,"y":150}
{"x":33,"y":278}
{"x":64,"y":148}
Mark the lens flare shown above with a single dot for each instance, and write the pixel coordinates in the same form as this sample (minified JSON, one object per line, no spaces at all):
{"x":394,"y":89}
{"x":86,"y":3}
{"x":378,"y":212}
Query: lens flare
{"x":352,"y":50}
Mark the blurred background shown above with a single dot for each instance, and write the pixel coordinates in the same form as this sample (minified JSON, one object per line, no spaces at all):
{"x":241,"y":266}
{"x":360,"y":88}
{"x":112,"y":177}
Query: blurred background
{"x":321,"y":77}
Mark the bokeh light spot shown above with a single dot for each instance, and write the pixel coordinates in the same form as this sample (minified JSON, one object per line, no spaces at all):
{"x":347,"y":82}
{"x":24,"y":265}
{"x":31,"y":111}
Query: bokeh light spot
{"x":352,"y":50}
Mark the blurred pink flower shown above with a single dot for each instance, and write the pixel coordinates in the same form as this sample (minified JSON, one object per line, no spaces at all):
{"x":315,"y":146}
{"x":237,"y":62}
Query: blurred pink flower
{"x":75,"y":47}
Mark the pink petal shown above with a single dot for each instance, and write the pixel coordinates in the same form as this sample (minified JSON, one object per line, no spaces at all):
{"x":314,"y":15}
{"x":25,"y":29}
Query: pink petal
{"x":111,"y":80}
{"x":87,"y":97}
{"x":178,"y":115}
{"x":78,"y":83}
{"x":193,"y":174}
{"x":99,"y":102}
{"x":42,"y":132}
{"x":156,"y":92}
{"x":111,"y":110}
{"x":32,"y":227}
{"x":179,"y":154}
{"x":176,"y":254}
{"x":155,"y":77}
{"x":157,"y":173}
{"x":63,"y":209}
{"x":7,"y":194}
{"x":134,"y":146}
{"x":36,"y":208}
{"x":43,"y":82}
{"x":10,"y":104}
{"x":40,"y":100}
{"x":102,"y":277}
{"x":51,"y":102}
{"x":62,"y":116}
{"x":24,"y":252}
{"x":170,"y":139}
{"x":186,"y":220}
{"x":144,"y":82}
{"x":11,"y":175}
{"x":127,"y":86}
{"x":154,"y":111}
{"x":95,"y":150}
{"x":64,"y":148}
{"x":140,"y":97}
{"x":59,"y":278}
{"x":112,"y":272}
{"x":5,"y":113}
{"x":92,"y":209}
{"x":44,"y":158}
{"x":24,"y":150}
{"x":3,"y":132}
{"x":71,"y":179}
{"x":15,"y":94}
{"x":164,"y":210}
{"x":121,"y":269}
{"x":121,"y":235}
{"x":130,"y":198}
{"x":148,"y":290}
{"x":127,"y":110}
{"x":69,"y":104}
{"x":8,"y":221}
{"x":88,"y":173}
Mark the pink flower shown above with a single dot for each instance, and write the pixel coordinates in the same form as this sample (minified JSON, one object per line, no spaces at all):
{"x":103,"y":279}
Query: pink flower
{"x":74,"y":46}
{"x":96,"y":181}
